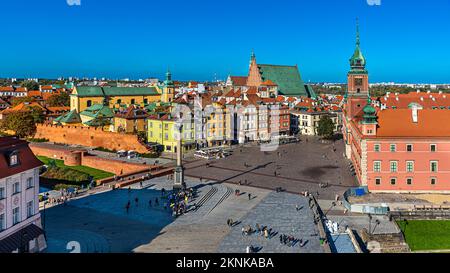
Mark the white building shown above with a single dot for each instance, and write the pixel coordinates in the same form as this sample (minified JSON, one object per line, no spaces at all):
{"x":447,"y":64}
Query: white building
{"x":307,"y":122}
{"x":20,"y":220}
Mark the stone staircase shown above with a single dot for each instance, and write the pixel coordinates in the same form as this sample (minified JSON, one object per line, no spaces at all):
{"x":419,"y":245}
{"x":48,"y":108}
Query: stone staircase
{"x":385,"y":243}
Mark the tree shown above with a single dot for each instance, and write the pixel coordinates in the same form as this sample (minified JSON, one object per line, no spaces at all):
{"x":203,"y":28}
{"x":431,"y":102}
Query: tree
{"x":326,"y":126}
{"x":18,"y":100}
{"x":22,"y":123}
{"x":37,"y":114}
{"x":30,"y":85}
{"x":62,"y":99}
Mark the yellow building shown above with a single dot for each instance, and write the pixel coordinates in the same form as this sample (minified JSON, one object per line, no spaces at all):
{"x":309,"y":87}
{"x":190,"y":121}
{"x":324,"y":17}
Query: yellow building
{"x":162,"y":130}
{"x":83,"y":97}
{"x":217,"y":131}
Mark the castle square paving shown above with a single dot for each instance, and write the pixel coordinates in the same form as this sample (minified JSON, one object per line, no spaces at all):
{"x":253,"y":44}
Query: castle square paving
{"x":300,"y":167}
{"x":100,"y":223}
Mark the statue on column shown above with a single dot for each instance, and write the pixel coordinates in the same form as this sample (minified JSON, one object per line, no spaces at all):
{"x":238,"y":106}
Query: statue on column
{"x":179,"y":183}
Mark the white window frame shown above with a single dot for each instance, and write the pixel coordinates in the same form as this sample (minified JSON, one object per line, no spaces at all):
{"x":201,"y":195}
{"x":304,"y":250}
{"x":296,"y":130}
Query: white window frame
{"x":412,"y":162}
{"x":431,"y":166}
{"x":396,"y":166}
{"x":435,"y":148}
{"x":395,"y":148}
{"x":2,"y":221}
{"x":30,"y":209}
{"x":16,"y":188}
{"x":375,"y":169}
{"x":16,"y":215}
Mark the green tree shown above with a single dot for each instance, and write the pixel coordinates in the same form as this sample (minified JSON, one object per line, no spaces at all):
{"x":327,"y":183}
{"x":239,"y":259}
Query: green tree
{"x":37,"y":114}
{"x":18,"y":100}
{"x":325,"y":127}
{"x":62,"y":99}
{"x":30,"y":85}
{"x":22,"y":123}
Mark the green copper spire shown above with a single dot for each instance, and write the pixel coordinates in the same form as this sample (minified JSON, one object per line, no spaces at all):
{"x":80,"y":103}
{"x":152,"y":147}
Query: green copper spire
{"x":357,"y":61}
{"x":253,"y":56}
{"x":168,"y":80}
{"x":357,"y":32}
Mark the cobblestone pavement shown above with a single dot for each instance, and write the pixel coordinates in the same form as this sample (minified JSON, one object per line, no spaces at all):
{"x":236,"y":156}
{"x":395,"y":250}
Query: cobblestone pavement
{"x":277,"y":211}
{"x":100,"y":222}
{"x":299,"y":167}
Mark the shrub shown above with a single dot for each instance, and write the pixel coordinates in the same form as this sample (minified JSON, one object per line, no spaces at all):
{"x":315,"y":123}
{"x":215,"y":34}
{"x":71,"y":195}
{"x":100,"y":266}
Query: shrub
{"x":66,"y":174}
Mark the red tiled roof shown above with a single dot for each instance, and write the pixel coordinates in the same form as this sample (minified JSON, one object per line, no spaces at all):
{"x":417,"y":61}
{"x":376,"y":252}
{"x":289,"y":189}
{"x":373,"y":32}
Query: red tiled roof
{"x":239,"y":80}
{"x":399,"y":123}
{"x":252,"y":90}
{"x":27,"y":160}
{"x":426,"y":100}
{"x":6,"y":88}
{"x":23,"y":106}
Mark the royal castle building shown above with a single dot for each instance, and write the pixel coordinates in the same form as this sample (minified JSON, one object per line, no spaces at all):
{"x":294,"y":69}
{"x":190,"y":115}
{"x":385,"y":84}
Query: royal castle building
{"x":398,"y":143}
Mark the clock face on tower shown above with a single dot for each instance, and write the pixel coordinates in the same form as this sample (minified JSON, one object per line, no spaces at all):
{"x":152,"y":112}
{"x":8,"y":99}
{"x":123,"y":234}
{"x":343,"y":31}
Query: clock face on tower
{"x":358,"y":82}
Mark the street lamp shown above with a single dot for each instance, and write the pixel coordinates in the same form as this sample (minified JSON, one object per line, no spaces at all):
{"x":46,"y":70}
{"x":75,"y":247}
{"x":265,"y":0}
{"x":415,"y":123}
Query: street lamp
{"x":370,"y":224}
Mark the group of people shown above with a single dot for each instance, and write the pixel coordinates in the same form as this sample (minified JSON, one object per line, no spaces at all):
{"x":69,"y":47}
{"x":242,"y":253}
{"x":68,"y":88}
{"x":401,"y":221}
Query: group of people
{"x":264,"y":231}
{"x":179,"y":201}
{"x":65,"y":195}
{"x":290,"y":241}
{"x":136,"y":202}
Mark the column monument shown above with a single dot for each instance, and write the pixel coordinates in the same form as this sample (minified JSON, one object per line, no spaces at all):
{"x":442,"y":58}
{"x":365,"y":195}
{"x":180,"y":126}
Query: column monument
{"x":179,"y":183}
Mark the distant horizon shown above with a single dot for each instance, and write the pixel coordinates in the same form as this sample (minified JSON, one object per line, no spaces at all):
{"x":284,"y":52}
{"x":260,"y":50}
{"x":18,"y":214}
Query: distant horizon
{"x":220,"y":80}
{"x":404,"y":41}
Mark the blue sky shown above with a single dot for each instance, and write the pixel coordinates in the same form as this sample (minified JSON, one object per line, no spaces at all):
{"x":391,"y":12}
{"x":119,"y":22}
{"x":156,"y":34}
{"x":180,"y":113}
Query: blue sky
{"x":403,"y":40}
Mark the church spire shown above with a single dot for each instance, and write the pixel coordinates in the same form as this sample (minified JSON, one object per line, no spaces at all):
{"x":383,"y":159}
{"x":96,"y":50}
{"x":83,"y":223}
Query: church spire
{"x":357,"y":61}
{"x":357,"y":32}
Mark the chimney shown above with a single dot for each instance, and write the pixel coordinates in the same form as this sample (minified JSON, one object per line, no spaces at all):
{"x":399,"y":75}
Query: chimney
{"x":415,"y":115}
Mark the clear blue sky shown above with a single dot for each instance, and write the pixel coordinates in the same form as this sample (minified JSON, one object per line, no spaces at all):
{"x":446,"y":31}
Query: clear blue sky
{"x":403,"y":40}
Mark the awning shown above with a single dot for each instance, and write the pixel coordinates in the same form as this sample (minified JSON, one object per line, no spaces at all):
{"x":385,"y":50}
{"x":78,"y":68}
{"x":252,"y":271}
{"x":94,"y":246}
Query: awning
{"x":20,"y":238}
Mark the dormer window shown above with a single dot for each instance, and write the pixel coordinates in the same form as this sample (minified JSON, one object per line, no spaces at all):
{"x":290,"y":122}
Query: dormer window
{"x":13,"y":159}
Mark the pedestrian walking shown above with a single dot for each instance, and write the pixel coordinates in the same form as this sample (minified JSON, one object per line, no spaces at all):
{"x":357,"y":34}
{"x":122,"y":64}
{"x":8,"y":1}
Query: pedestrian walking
{"x":136,"y":200}
{"x":249,"y":196}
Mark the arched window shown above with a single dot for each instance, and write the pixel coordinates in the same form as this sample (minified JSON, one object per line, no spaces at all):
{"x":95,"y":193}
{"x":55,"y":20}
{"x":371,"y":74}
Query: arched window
{"x":89,"y":103}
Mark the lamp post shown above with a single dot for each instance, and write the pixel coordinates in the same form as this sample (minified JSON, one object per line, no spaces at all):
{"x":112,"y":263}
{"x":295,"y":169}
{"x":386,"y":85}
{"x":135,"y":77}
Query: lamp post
{"x":370,"y":224}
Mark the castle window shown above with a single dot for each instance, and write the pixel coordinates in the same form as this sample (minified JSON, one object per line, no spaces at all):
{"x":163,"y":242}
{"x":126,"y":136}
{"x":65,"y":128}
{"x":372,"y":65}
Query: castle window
{"x":393,"y":181}
{"x":409,"y":147}
{"x":89,"y":103}
{"x":393,"y":148}
{"x":433,"y":180}
{"x":377,"y":166}
{"x":394,"y":166}
{"x":433,"y":166}
{"x":433,"y":147}
{"x":410,"y":166}
{"x":133,"y":101}
{"x":377,"y":181}
{"x":377,"y":147}
{"x":409,"y":181}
